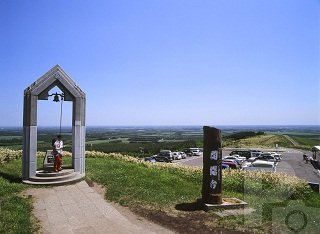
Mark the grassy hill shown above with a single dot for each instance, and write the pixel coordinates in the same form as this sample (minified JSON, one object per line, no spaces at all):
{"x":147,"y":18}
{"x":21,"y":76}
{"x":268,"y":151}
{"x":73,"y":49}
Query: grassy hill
{"x":270,"y":141}
{"x":166,"y":194}
{"x":261,"y":141}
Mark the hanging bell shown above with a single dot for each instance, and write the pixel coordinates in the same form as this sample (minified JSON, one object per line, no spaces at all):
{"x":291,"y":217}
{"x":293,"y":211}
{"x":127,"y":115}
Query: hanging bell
{"x":56,"y":98}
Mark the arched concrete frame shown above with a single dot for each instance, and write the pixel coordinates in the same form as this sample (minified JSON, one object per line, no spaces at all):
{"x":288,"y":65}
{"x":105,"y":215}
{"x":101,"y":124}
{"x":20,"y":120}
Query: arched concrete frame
{"x":39,"y":91}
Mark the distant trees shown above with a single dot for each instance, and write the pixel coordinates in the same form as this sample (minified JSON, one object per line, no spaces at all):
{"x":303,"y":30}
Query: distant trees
{"x":10,"y":141}
{"x":244,"y":134}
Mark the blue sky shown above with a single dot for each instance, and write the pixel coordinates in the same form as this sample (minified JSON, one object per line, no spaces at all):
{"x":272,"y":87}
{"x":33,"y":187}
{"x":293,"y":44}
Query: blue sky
{"x":166,"y":62}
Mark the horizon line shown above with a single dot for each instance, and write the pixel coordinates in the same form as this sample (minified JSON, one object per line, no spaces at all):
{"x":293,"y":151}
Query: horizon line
{"x":167,"y":125}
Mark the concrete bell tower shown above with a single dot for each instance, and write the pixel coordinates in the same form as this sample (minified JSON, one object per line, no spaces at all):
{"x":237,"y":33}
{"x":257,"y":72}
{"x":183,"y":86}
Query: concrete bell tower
{"x":39,"y":91}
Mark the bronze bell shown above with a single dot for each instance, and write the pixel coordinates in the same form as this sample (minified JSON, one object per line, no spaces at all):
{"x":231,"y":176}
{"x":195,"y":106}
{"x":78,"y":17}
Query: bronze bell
{"x":56,"y":98}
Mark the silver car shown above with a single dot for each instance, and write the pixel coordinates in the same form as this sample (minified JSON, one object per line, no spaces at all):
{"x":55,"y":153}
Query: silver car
{"x":267,"y":157}
{"x":176,"y":156}
{"x":260,"y":166}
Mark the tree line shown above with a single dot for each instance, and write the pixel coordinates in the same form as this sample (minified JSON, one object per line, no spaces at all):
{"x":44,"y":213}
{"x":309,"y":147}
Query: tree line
{"x":244,"y":134}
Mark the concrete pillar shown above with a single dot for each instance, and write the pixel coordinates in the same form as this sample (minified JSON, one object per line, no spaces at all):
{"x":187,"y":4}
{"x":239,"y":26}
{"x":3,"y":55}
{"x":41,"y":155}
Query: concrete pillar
{"x":29,"y":146}
{"x":79,"y":133}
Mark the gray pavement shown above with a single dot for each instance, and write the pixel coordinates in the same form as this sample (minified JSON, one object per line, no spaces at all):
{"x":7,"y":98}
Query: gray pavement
{"x":79,"y":208}
{"x":292,"y":163}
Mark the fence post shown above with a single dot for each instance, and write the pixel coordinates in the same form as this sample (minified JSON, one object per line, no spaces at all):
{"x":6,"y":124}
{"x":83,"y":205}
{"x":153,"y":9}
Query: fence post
{"x":212,"y":171}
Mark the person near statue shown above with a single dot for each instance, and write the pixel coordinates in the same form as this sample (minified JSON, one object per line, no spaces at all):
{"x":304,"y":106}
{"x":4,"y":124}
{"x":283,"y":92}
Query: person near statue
{"x":57,"y":145}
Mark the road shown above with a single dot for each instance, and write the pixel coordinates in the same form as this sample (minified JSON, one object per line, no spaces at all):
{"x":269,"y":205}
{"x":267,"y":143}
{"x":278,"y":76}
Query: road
{"x":291,"y":140}
{"x":292,"y":163}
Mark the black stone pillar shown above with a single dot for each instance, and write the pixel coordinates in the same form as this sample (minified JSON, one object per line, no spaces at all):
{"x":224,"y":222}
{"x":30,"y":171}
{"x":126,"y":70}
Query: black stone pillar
{"x":212,"y":171}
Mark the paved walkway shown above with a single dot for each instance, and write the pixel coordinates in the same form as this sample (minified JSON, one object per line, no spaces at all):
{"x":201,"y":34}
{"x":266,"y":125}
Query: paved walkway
{"x":79,"y":208}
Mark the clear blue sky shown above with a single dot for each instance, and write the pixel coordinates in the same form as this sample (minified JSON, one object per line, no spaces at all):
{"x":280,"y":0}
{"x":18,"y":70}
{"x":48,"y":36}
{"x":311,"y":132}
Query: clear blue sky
{"x":166,"y":62}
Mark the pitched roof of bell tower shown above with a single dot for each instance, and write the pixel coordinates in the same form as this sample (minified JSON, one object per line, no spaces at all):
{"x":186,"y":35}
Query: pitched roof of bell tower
{"x":56,"y":76}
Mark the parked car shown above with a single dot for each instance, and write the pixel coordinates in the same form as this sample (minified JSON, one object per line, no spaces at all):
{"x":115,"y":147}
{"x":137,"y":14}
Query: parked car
{"x":183,"y":155}
{"x":255,"y":150}
{"x":224,"y":166}
{"x":315,"y":163}
{"x":256,"y":154}
{"x":164,"y":156}
{"x":151,"y":159}
{"x":267,"y":157}
{"x":235,"y":157}
{"x":252,"y":159}
{"x":260,"y":166}
{"x":242,"y":153}
{"x":232,"y":165}
{"x":238,"y":156}
{"x":176,"y":156}
{"x":194,"y":152}
{"x":277,"y":156}
{"x":189,"y":152}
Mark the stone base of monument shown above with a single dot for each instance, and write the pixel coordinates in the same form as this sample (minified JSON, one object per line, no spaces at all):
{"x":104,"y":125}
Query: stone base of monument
{"x":46,"y":175}
{"x":64,"y":177}
{"x":227,"y":203}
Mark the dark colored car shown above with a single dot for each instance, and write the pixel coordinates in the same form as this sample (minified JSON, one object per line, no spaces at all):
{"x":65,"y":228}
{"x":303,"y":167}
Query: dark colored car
{"x":256,"y":154}
{"x":164,"y":156}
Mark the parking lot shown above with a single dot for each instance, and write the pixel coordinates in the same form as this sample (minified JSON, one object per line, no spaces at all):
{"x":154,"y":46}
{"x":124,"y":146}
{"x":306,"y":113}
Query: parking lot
{"x":292,"y":163}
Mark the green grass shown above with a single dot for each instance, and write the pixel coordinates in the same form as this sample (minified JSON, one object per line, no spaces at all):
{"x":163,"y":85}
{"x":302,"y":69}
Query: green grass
{"x":94,"y":142}
{"x":306,"y":142}
{"x":15,"y":210}
{"x":261,"y":141}
{"x":133,"y":184}
{"x":270,"y":140}
{"x":161,"y":186}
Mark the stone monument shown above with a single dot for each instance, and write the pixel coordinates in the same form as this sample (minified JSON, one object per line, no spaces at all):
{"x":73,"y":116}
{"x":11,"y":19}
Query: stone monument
{"x":38,"y":90}
{"x":212,"y":173}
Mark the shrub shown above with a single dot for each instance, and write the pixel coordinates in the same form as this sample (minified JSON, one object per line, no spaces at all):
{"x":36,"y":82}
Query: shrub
{"x":265,"y":183}
{"x":7,"y":155}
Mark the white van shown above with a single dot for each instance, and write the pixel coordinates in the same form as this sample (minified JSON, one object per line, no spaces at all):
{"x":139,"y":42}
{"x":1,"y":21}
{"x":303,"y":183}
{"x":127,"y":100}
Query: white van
{"x":260,"y":166}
